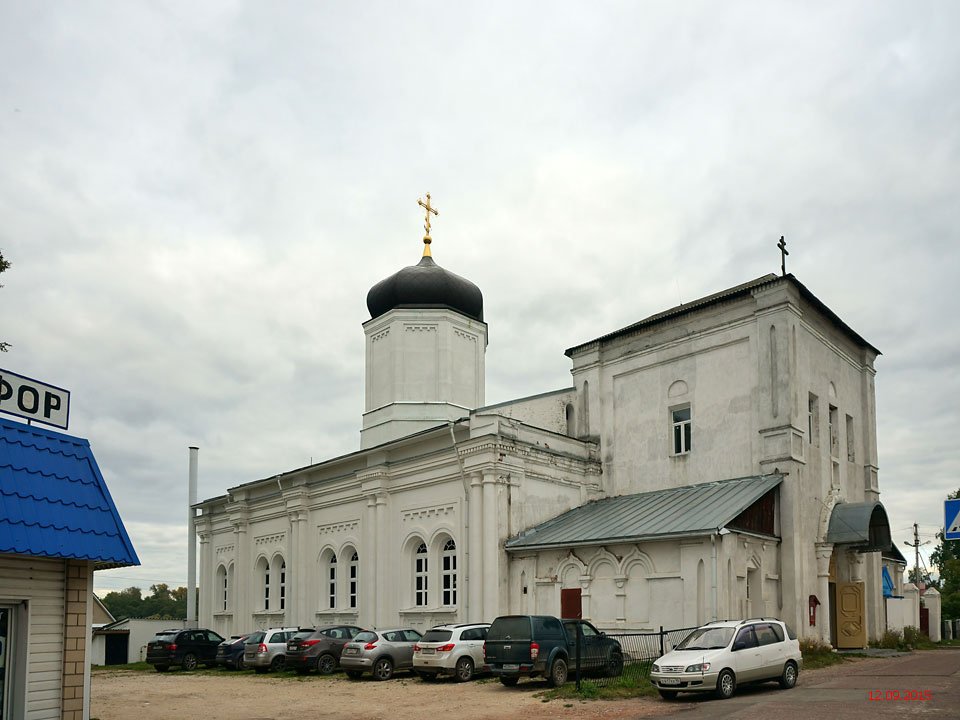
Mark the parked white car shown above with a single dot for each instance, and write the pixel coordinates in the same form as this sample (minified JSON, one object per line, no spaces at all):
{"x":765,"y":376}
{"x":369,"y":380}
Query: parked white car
{"x":721,"y":655}
{"x":450,"y":650}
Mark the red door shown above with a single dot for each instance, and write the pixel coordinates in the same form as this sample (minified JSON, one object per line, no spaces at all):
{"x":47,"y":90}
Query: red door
{"x":570,"y":606}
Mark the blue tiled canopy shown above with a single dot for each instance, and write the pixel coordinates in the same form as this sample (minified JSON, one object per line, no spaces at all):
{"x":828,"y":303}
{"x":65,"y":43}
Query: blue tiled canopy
{"x":54,"y":501}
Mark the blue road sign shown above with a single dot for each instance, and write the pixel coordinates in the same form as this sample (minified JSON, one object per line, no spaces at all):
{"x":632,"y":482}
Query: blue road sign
{"x":951,"y":527}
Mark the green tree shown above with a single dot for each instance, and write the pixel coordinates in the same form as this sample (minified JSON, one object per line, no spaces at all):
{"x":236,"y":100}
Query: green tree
{"x":947,"y":558}
{"x":4,"y":265}
{"x":125,"y":603}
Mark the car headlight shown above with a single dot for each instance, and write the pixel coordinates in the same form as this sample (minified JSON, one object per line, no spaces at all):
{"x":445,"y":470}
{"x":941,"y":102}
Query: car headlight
{"x":699,"y":667}
{"x":656,"y":668}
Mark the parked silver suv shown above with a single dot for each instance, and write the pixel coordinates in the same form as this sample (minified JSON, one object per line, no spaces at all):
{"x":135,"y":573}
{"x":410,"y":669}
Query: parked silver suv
{"x":266,"y":649}
{"x":721,"y":655}
{"x":450,"y":650}
{"x":380,"y":652}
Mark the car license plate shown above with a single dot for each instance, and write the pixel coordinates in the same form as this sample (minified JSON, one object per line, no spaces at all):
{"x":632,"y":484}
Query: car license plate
{"x":350,"y":651}
{"x":428,"y":651}
{"x":670,"y":681}
{"x":511,"y":666}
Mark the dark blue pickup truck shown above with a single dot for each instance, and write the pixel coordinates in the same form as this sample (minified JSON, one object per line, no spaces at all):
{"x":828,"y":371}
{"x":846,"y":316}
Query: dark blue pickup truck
{"x":534,"y":645}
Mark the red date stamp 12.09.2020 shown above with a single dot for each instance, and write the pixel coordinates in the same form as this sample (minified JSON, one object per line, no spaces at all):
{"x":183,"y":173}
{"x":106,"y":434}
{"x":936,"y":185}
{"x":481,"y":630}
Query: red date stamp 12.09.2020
{"x":899,"y":694}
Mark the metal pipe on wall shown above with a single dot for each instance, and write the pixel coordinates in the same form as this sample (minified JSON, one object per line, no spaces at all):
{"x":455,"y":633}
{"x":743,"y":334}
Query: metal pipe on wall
{"x":192,"y":539}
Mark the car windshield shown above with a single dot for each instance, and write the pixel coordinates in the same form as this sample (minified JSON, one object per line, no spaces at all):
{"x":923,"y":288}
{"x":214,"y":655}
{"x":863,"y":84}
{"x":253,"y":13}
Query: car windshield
{"x":254,"y":639}
{"x":365,"y":637}
{"x":437,"y":636}
{"x":707,"y":638}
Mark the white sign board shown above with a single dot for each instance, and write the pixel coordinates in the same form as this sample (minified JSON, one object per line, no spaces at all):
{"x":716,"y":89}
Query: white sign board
{"x":28,"y":398}
{"x":951,"y":528}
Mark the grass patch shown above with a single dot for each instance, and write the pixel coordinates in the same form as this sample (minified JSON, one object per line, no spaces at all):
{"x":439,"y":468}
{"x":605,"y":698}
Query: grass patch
{"x":625,"y":686}
{"x":911,"y":638}
{"x":816,"y":655}
{"x":132,"y":667}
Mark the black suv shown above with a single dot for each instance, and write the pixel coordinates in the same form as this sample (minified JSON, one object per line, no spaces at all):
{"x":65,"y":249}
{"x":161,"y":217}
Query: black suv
{"x":319,"y":649}
{"x":532,"y":645}
{"x":185,"y":648}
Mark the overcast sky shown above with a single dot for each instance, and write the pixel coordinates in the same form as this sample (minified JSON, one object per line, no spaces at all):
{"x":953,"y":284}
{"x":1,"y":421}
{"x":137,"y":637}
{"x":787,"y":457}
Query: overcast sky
{"x":196,"y":198}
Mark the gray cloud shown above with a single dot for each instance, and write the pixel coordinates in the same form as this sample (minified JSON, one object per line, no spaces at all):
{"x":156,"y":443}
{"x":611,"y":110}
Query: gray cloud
{"x":197,"y":198}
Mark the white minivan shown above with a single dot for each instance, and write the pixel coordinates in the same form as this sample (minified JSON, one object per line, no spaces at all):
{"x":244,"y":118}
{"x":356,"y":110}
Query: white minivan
{"x":721,"y":655}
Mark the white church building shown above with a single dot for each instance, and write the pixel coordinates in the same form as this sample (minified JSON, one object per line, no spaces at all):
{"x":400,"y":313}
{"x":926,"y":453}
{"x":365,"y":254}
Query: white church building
{"x":716,"y":460}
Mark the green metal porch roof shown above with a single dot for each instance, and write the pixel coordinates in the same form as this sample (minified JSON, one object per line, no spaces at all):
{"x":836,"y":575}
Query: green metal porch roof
{"x":699,"y":509}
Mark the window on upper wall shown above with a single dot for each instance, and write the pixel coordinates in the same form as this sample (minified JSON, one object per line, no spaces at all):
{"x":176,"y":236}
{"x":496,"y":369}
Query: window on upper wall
{"x":420,"y":576}
{"x":682,"y":430}
{"x":813,"y":420}
{"x":449,"y":573}
{"x":354,"y":572}
{"x":834,"y":432}
{"x":332,"y":582}
{"x":283,"y":585}
{"x":225,"y":587}
{"x":266,"y":587}
{"x":851,"y":442}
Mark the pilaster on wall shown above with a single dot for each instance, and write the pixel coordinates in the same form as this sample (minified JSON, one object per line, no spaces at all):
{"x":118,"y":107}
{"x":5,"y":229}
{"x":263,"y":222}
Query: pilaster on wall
{"x":76,"y":629}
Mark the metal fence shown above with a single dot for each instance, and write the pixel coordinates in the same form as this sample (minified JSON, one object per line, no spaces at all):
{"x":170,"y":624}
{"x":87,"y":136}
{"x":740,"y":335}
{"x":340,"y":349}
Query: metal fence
{"x":639,"y":650}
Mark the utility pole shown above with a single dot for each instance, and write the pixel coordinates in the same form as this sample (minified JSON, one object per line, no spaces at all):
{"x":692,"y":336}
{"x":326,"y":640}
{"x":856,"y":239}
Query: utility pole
{"x":916,"y":548}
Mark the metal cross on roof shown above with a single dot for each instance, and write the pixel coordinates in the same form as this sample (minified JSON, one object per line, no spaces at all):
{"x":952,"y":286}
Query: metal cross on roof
{"x":426,"y":226}
{"x":783,"y":253}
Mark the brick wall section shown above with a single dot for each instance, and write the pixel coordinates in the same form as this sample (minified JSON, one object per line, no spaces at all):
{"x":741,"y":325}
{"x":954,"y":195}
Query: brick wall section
{"x":75,"y":632}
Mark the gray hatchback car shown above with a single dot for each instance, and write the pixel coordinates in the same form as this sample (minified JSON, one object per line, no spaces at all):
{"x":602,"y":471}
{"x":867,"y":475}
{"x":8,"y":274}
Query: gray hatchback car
{"x":380,"y":652}
{"x":266,"y":650}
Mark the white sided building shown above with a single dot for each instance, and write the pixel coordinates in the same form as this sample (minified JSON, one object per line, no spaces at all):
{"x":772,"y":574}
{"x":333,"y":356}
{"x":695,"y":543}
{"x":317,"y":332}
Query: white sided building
{"x":716,"y":460}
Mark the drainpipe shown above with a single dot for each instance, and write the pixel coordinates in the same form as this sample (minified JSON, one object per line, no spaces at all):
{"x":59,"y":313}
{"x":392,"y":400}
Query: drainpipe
{"x":713,"y":542}
{"x":465,"y":595}
{"x":192,"y":540}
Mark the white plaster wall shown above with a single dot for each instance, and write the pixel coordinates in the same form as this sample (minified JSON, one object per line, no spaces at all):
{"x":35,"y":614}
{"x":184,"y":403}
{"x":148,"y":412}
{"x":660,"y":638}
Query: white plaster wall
{"x":547,"y":411}
{"x":415,"y":360}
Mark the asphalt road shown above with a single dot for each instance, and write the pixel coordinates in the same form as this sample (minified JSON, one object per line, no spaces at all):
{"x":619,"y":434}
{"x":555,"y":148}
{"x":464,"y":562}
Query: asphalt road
{"x":921,"y":684}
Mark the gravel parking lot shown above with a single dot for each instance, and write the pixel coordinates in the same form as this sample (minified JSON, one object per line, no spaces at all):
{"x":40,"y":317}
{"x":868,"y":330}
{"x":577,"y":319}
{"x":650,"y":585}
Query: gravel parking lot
{"x":222,"y":695}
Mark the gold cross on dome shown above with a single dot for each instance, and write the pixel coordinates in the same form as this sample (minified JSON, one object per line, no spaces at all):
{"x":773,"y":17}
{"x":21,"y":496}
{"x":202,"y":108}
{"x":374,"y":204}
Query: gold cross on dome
{"x":426,"y":238}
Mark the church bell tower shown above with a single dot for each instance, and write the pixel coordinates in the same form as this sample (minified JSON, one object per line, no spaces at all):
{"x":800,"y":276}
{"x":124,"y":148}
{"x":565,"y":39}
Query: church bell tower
{"x":425,"y":346}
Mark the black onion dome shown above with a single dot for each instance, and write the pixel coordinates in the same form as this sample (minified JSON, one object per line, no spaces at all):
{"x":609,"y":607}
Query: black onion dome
{"x":425,"y":285}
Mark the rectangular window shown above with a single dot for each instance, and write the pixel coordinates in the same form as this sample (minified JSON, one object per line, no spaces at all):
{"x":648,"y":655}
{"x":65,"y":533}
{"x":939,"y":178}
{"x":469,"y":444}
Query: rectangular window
{"x":682,"y":431}
{"x":266,"y":590}
{"x":283,"y":586}
{"x":834,"y":432}
{"x":420,"y":596}
{"x":813,"y":420}
{"x":332,"y":586}
{"x":224,"y":592}
{"x":851,"y":444}
{"x":353,"y":584}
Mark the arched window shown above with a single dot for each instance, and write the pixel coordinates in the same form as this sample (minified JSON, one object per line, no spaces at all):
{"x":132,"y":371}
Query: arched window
{"x":420,"y":576}
{"x":283,"y":584}
{"x":449,"y":569}
{"x":264,"y":573}
{"x":332,"y":582}
{"x":222,"y":588}
{"x":354,"y":572}
{"x":571,"y":420}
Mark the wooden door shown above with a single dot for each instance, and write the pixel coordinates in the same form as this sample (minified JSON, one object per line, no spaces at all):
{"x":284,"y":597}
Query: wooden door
{"x":851,"y":625}
{"x":570,"y":604}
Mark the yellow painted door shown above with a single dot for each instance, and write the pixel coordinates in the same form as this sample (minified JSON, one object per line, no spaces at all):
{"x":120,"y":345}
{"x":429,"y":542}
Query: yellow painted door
{"x":851,"y":624}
